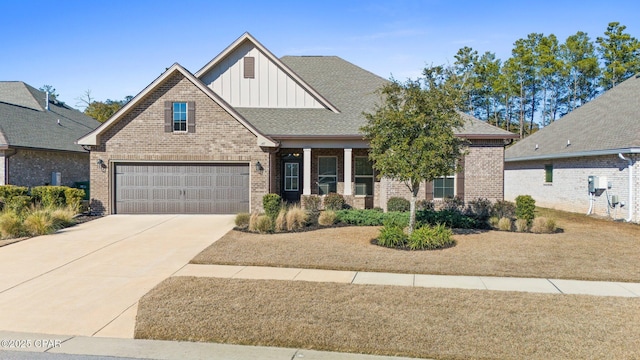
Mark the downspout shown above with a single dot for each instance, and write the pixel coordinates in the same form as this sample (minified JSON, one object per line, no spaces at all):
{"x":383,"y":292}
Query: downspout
{"x":630,"y":202}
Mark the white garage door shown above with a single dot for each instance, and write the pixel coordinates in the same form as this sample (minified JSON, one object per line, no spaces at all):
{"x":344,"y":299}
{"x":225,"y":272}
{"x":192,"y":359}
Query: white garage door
{"x":181,"y":188}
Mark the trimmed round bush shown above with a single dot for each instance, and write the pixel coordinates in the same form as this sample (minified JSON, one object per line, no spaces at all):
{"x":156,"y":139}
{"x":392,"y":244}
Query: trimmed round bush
{"x":431,"y":238}
{"x":242,"y":220}
{"x":272,"y":204}
{"x":392,"y":236}
{"x":333,"y":201}
{"x":327,"y":218}
{"x":398,"y":204}
{"x":525,"y":208}
{"x":479,"y":209}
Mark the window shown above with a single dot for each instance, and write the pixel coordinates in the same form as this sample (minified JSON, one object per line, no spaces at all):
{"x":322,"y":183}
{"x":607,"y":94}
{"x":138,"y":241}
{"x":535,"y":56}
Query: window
{"x":548,"y":173}
{"x":249,"y":67}
{"x":444,"y":187}
{"x":179,"y":116}
{"x":327,"y":175}
{"x":363,"y":175}
{"x":291,"y":177}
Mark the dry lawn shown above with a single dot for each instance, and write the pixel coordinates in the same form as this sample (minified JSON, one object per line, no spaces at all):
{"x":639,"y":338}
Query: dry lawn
{"x":420,"y":322}
{"x":586,"y":249}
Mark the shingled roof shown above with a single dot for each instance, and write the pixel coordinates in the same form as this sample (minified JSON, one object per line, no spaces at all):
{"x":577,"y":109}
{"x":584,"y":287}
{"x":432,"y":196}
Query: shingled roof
{"x":608,"y":124}
{"x":351,"y":89}
{"x":24,"y":121}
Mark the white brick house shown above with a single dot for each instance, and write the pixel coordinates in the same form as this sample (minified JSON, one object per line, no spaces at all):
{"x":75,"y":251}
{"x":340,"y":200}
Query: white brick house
{"x":600,"y":139}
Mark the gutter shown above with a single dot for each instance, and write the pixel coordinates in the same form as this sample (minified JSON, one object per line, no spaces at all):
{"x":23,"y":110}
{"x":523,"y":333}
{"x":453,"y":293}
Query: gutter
{"x":575,"y":154}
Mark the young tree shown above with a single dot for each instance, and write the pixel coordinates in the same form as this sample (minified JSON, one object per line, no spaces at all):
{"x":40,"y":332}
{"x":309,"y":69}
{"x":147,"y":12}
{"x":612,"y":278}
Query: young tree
{"x":620,"y":53}
{"x":53,"y":94}
{"x":411,"y":133}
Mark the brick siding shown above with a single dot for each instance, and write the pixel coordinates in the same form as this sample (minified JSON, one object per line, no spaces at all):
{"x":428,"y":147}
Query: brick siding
{"x":569,"y":189}
{"x":30,"y":167}
{"x":139,"y":136}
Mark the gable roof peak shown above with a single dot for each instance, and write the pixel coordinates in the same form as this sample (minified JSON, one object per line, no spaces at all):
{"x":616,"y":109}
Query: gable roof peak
{"x":247,"y":37}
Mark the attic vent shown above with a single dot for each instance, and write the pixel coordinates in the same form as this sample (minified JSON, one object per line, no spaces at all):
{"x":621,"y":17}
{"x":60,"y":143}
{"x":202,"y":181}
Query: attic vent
{"x":249,"y":67}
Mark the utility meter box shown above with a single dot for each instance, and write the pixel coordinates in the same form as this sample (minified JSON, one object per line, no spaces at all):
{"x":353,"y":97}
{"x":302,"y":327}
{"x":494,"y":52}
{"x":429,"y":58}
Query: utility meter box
{"x":597,"y":183}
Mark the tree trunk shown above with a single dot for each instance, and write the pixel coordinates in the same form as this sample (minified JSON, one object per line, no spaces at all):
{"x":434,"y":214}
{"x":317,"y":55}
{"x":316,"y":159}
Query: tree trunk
{"x":415,"y":187}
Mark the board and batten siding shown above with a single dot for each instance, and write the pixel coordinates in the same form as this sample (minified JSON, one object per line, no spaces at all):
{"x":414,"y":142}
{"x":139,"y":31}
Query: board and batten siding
{"x":271,"y":87}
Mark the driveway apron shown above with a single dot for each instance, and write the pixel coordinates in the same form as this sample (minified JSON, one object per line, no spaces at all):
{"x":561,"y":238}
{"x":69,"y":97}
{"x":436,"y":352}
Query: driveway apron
{"x":87,"y":279}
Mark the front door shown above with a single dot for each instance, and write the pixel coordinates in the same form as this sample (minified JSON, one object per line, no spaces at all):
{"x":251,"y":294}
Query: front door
{"x":291,"y":179}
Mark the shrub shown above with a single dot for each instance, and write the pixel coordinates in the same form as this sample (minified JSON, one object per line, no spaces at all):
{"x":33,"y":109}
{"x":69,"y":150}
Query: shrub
{"x":8,"y":192}
{"x":425,"y":205}
{"x":479,"y":209}
{"x":392,"y":236}
{"x":522,"y":225}
{"x":372,"y":217}
{"x":542,"y":225}
{"x":253,"y":222}
{"x":272,"y":204}
{"x":503,"y":208}
{"x":242,"y":220}
{"x":39,"y":222}
{"x":505,"y":224}
{"x":525,"y":208}
{"x":49,"y":196}
{"x":73,"y":198}
{"x":10,"y":224}
{"x":398,"y":204}
{"x":19,"y":203}
{"x":312,"y":203}
{"x":453,"y":204}
{"x":450,"y":218}
{"x":62,"y":217}
{"x":493,"y":222}
{"x":264,"y":224}
{"x":333,"y":201}
{"x":281,"y":220}
{"x":327,"y":218}
{"x":430,"y":238}
{"x":296,"y":218}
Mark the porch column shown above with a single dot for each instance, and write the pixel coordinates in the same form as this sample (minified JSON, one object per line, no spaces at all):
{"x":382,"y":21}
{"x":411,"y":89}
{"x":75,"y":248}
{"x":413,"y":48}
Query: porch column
{"x":347,"y":172}
{"x":306,"y":175}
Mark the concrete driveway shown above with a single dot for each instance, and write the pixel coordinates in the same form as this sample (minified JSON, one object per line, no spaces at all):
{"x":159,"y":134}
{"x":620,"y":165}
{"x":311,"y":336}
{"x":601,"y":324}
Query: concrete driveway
{"x":87,"y":279}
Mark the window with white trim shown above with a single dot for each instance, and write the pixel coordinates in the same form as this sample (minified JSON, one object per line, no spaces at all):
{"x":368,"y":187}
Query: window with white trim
{"x":327,"y":174}
{"x":444,"y":187}
{"x":363,"y":175}
{"x":179,"y":116}
{"x":291,"y":177}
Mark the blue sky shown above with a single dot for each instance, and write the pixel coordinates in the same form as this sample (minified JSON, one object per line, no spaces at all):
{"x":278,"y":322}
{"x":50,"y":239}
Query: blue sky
{"x":115,"y":48}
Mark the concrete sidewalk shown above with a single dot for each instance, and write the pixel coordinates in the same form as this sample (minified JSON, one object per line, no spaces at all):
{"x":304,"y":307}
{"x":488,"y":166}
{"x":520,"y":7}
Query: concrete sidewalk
{"x":166,"y":350}
{"x":535,"y":285}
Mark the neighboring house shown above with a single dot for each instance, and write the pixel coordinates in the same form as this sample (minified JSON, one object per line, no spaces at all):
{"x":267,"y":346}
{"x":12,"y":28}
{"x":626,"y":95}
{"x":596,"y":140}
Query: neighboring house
{"x":600,"y":139}
{"x":249,"y":123}
{"x":37,"y":138}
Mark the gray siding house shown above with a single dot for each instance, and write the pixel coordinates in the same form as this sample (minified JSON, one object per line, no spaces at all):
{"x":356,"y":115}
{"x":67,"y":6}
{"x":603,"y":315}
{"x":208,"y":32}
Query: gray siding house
{"x":585,"y":162}
{"x":37,"y":138}
{"x":249,"y":123}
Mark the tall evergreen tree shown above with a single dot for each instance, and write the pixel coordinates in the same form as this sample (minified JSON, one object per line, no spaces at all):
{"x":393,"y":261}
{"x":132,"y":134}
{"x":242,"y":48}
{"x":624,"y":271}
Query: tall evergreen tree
{"x":620,"y":53}
{"x":583,"y":76}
